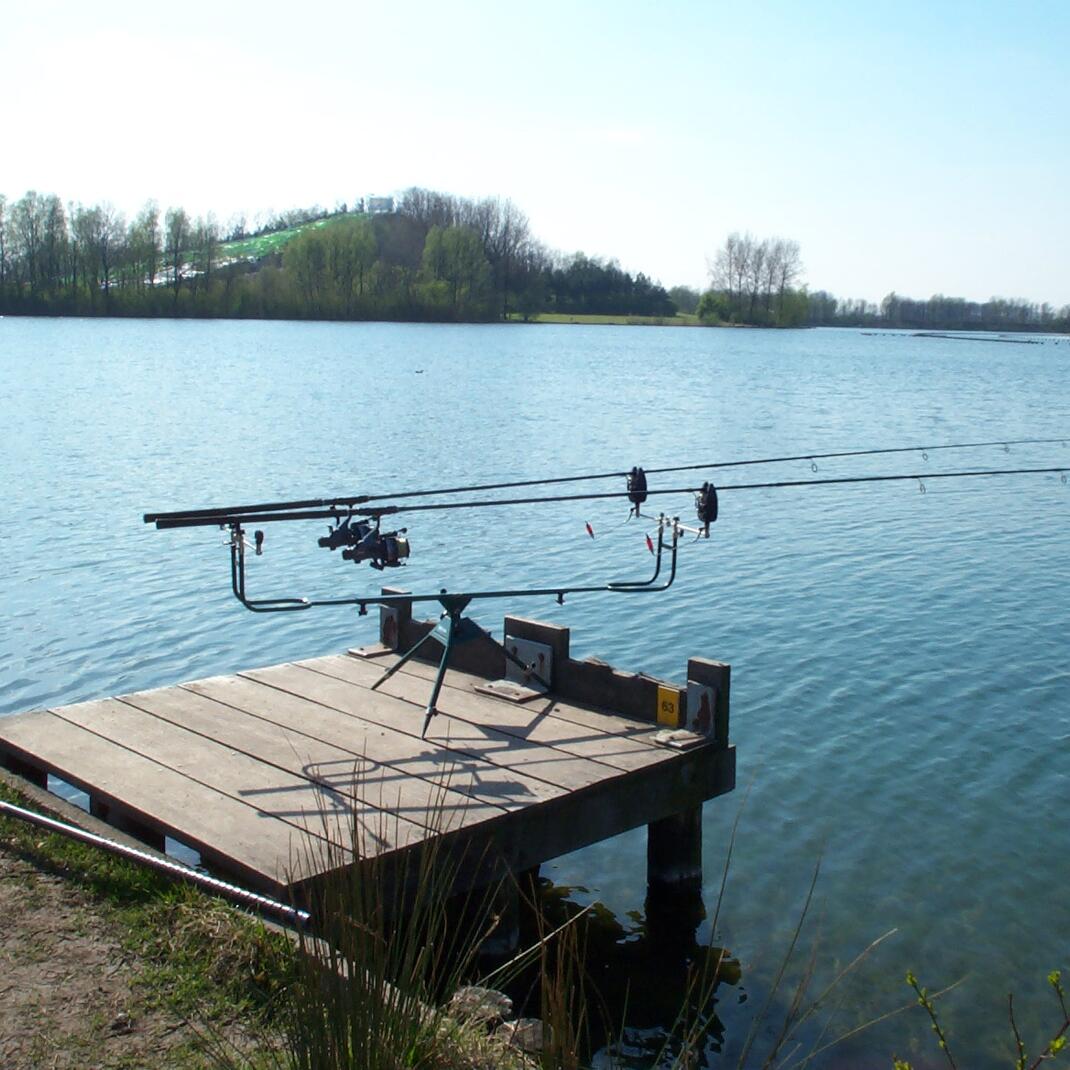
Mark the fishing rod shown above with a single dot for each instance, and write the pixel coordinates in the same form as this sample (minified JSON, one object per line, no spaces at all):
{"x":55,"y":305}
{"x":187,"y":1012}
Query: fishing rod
{"x":211,"y":515}
{"x":337,"y":513}
{"x":358,"y":533}
{"x":364,"y":540}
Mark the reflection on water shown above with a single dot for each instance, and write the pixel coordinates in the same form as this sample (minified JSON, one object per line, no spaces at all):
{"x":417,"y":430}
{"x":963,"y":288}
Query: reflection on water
{"x":900,"y":678}
{"x":650,"y":987}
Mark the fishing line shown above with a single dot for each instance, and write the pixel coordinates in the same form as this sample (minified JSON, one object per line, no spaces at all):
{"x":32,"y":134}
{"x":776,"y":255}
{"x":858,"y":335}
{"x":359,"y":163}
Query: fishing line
{"x":358,"y":534}
{"x":201,"y":520}
{"x":209,"y":515}
{"x":924,"y":450}
{"x":725,"y":487}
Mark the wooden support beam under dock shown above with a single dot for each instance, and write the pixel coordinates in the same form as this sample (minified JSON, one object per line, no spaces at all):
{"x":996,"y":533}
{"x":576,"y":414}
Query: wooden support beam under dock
{"x":262,"y":771}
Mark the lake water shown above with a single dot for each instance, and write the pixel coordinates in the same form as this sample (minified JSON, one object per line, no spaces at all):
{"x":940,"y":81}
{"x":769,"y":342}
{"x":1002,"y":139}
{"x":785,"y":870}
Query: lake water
{"x":900,"y":691}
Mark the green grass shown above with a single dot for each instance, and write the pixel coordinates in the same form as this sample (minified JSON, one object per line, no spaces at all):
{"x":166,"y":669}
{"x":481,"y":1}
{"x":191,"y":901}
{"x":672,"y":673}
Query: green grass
{"x":263,"y":244}
{"x":366,"y":994}
{"x":198,"y":958}
{"x":678,"y":320}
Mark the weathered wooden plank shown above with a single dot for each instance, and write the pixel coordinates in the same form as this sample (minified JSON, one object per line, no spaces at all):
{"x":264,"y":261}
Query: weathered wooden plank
{"x":587,"y":681}
{"x":623,"y":801}
{"x":532,"y":722}
{"x":614,"y":806}
{"x":354,"y":774}
{"x":544,"y":763}
{"x":595,"y":682}
{"x":590,"y":716}
{"x":308,"y":808}
{"x":409,"y":755}
{"x":483,"y":656}
{"x":185,"y":809}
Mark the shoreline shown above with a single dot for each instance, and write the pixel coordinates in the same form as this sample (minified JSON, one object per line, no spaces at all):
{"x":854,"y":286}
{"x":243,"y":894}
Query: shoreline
{"x":979,"y":334}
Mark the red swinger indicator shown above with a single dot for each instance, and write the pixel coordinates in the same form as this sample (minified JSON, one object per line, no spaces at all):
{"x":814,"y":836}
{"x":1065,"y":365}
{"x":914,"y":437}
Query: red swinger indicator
{"x":590,"y":530}
{"x":650,"y":544}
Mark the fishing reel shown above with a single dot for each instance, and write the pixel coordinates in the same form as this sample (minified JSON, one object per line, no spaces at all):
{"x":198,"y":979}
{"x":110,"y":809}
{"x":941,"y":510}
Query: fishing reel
{"x":363,"y":541}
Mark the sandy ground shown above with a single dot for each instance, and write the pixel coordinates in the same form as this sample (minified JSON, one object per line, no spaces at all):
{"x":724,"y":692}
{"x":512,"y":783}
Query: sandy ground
{"x":67,"y":988}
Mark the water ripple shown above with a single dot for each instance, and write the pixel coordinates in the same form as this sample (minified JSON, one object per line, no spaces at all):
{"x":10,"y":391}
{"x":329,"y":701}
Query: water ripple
{"x":900,"y":682}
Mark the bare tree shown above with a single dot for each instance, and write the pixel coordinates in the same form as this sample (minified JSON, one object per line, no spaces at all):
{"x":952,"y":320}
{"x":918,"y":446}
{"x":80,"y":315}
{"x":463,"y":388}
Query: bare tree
{"x":27,"y":228}
{"x":145,"y":244}
{"x":176,"y":228}
{"x":749,"y":275}
{"x":3,"y":243}
{"x":109,"y":240}
{"x":789,"y":269}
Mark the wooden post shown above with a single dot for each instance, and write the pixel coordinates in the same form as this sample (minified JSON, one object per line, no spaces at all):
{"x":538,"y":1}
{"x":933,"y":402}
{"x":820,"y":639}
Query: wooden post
{"x":394,"y":621}
{"x":674,"y":906}
{"x":674,"y":849}
{"x":124,"y":822}
{"x":34,"y":774}
{"x":718,"y":675}
{"x":504,"y":940}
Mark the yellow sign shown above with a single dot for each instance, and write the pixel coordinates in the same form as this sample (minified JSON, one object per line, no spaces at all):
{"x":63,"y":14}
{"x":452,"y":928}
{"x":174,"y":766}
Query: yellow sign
{"x":668,"y":706}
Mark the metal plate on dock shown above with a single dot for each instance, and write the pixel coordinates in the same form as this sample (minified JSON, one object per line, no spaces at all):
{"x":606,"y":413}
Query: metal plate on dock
{"x":510,"y":691}
{"x":372,"y":650}
{"x":540,"y":658}
{"x":520,"y":684}
{"x":680,"y":739}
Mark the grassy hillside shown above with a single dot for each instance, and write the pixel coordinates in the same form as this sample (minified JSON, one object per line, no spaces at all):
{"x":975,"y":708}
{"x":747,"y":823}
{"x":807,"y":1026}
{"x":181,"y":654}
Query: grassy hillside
{"x":273,"y":241}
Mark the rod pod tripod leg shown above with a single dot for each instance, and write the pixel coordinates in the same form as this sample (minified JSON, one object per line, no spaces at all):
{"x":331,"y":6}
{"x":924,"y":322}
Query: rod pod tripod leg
{"x":453,"y":607}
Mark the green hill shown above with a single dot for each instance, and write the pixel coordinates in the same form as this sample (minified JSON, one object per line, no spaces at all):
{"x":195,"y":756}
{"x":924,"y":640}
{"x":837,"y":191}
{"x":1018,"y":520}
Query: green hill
{"x":274,"y":241}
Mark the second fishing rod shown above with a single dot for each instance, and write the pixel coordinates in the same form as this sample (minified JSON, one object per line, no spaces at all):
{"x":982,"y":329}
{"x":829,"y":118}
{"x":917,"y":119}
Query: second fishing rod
{"x":297,"y":509}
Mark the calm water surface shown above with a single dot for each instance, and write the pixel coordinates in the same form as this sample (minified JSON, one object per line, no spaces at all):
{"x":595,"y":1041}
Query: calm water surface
{"x":901,"y":693}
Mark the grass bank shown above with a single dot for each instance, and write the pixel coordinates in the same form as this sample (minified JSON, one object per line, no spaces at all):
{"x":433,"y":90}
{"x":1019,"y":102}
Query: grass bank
{"x":103,"y":963}
{"x":679,"y":320}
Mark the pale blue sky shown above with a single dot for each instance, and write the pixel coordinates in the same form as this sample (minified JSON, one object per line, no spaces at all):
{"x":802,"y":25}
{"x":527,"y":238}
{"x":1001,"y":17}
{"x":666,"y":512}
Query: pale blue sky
{"x":920,"y":147}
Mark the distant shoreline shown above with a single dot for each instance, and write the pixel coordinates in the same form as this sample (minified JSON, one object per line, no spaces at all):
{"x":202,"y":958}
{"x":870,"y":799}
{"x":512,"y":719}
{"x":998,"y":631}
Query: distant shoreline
{"x":577,"y":319}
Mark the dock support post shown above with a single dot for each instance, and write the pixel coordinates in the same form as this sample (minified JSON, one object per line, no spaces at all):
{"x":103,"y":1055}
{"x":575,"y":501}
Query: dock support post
{"x":674,"y":850}
{"x":35,"y":775}
{"x":504,"y":940}
{"x":125,"y":823}
{"x":674,"y":907}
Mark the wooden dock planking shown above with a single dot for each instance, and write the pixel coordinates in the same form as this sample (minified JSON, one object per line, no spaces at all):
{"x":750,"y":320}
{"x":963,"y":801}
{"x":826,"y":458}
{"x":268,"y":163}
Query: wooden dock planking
{"x":555,"y":767}
{"x":613,"y":805}
{"x":343,"y":775}
{"x":535,"y":721}
{"x":552,"y":705}
{"x":409,"y":755}
{"x":256,"y":769}
{"x":293,"y":799}
{"x":182,"y":808}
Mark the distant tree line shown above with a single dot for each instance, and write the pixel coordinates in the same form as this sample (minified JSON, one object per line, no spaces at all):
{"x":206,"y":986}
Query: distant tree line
{"x":435,"y":257}
{"x":938,"y":313}
{"x":758,"y":283}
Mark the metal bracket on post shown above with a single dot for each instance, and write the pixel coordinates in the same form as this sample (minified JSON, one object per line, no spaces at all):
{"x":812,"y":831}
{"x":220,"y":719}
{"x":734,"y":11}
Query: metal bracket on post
{"x":702,"y":709}
{"x":391,"y":622}
{"x":388,"y":635}
{"x":529,"y":670}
